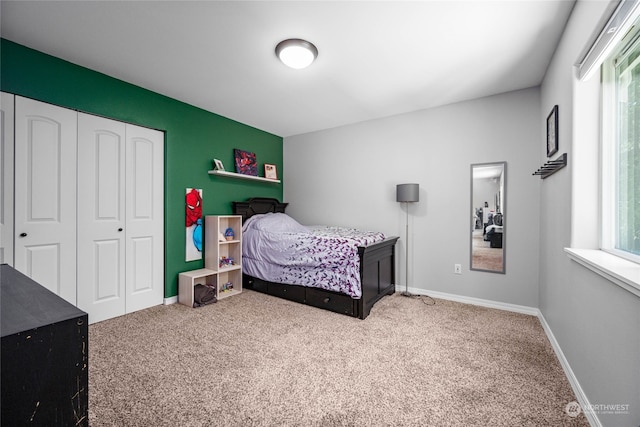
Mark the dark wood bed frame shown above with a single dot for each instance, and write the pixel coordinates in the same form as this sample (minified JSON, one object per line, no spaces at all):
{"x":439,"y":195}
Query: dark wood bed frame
{"x":377,"y":271}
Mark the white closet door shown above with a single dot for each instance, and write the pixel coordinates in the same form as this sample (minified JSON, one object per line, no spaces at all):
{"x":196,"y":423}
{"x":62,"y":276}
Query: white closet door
{"x":144,"y":218}
{"x":101,"y":217}
{"x":6,"y":178}
{"x":45,"y":195}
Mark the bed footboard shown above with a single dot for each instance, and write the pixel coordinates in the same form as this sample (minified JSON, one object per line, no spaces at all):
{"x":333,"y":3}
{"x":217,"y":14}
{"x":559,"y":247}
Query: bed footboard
{"x":377,"y":272}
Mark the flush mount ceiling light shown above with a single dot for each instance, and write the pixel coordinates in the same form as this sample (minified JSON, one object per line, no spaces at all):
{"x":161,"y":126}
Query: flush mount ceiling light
{"x":296,"y":53}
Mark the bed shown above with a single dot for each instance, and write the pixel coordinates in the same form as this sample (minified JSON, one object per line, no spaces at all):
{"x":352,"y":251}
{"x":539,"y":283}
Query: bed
{"x":375,"y":272}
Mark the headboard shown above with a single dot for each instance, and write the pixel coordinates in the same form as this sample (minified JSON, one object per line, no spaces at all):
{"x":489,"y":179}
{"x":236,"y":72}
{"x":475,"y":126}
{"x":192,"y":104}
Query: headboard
{"x":257,"y":205}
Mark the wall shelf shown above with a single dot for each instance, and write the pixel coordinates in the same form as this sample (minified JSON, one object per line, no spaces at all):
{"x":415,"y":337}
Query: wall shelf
{"x":242,"y":176}
{"x":551,"y":167}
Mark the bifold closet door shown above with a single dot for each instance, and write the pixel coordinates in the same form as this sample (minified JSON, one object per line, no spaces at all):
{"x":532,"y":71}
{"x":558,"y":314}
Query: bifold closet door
{"x":6,"y":178}
{"x":101,"y":217}
{"x":45,"y":195}
{"x":120,"y":217}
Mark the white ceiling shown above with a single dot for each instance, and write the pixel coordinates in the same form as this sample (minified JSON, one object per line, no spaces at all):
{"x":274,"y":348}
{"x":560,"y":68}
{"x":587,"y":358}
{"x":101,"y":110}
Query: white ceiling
{"x":376,"y":58}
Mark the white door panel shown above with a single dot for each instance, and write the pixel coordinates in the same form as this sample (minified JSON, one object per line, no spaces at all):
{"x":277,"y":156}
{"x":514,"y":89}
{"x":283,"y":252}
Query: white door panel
{"x":101,"y":217}
{"x":145,"y":218}
{"x":142,"y":267}
{"x":6,"y":178}
{"x":45,"y":195}
{"x":141,"y":178}
{"x":107,"y":281}
{"x":43,"y":265}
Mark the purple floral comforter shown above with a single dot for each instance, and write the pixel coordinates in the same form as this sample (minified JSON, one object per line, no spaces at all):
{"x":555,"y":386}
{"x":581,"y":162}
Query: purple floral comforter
{"x":278,"y":249}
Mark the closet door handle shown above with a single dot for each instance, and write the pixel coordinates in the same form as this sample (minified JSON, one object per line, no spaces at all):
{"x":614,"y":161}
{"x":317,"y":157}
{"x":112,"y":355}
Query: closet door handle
{"x":120,"y":229}
{"x":23,"y":234}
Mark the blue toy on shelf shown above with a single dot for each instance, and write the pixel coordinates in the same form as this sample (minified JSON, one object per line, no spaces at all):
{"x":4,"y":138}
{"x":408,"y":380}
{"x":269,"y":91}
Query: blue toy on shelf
{"x":229,"y":234}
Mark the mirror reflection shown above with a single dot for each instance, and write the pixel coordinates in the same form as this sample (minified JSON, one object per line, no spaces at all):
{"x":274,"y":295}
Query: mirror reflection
{"x":488,"y":183}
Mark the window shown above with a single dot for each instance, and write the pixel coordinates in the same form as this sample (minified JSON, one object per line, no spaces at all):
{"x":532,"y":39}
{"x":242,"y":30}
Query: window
{"x":621,"y":150}
{"x":613,"y":193}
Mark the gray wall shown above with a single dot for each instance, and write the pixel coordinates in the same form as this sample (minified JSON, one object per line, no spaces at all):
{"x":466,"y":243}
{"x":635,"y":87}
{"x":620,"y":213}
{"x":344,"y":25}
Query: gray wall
{"x":348,"y":176}
{"x":596,"y":323}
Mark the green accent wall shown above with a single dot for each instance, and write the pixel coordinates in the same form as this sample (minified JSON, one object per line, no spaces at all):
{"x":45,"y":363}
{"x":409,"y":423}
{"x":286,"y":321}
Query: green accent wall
{"x":193,"y":138}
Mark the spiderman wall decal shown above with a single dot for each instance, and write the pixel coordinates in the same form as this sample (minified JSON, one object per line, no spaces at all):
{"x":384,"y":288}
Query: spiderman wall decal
{"x":193,"y":215}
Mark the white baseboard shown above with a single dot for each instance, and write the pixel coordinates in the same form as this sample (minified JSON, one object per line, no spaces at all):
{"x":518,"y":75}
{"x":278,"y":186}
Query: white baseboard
{"x":170,"y":300}
{"x":523,"y":309}
{"x":573,"y":381}
{"x":575,"y":385}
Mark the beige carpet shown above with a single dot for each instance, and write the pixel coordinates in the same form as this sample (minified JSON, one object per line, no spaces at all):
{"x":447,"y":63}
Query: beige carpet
{"x":256,"y":360}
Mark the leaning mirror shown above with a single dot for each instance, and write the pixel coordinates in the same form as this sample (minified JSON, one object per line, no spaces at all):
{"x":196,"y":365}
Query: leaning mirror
{"x":488,"y":225}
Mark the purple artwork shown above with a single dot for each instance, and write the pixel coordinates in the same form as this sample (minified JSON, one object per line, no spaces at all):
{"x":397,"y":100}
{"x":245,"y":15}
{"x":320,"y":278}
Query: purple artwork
{"x":246,"y":162}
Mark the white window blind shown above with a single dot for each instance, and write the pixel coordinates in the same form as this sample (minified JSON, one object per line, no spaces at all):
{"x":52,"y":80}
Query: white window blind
{"x":617,"y":23}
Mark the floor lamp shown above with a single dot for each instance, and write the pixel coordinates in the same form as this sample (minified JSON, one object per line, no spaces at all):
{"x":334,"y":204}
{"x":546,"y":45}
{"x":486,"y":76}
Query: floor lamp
{"x":407,"y":193}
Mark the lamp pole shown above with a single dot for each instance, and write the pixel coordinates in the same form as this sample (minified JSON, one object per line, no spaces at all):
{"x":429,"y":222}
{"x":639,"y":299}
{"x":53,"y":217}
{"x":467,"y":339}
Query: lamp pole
{"x":407,"y":193}
{"x":406,"y":255}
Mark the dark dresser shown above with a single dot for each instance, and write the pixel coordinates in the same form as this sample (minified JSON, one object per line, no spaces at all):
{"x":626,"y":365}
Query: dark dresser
{"x":44,"y":367}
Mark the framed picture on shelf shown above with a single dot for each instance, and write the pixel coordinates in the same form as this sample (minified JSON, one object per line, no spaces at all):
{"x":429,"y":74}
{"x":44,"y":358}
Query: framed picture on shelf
{"x":552,"y":132}
{"x":217,"y":165}
{"x":270,"y":171}
{"x":245,"y":162}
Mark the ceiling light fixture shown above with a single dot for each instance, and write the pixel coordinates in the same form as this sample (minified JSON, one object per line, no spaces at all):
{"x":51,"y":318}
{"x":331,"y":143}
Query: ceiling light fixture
{"x":296,"y":53}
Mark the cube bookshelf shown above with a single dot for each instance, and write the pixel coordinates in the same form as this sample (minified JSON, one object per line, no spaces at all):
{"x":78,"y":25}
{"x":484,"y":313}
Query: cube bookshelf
{"x":222,"y":260}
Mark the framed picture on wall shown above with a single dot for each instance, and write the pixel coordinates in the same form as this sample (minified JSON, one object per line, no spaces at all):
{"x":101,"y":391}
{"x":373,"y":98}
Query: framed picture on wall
{"x":217,"y":165}
{"x":193,"y":204}
{"x":270,"y":171}
{"x":552,"y":131}
{"x":246,"y":162}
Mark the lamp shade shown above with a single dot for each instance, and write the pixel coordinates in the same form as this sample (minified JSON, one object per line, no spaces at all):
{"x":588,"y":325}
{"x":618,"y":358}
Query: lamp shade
{"x":407,"y":192}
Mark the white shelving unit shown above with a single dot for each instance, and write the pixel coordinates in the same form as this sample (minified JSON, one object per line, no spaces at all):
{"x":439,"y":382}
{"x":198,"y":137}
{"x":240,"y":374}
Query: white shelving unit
{"x":224,"y":277}
{"x":242,"y":176}
{"x":229,"y":274}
